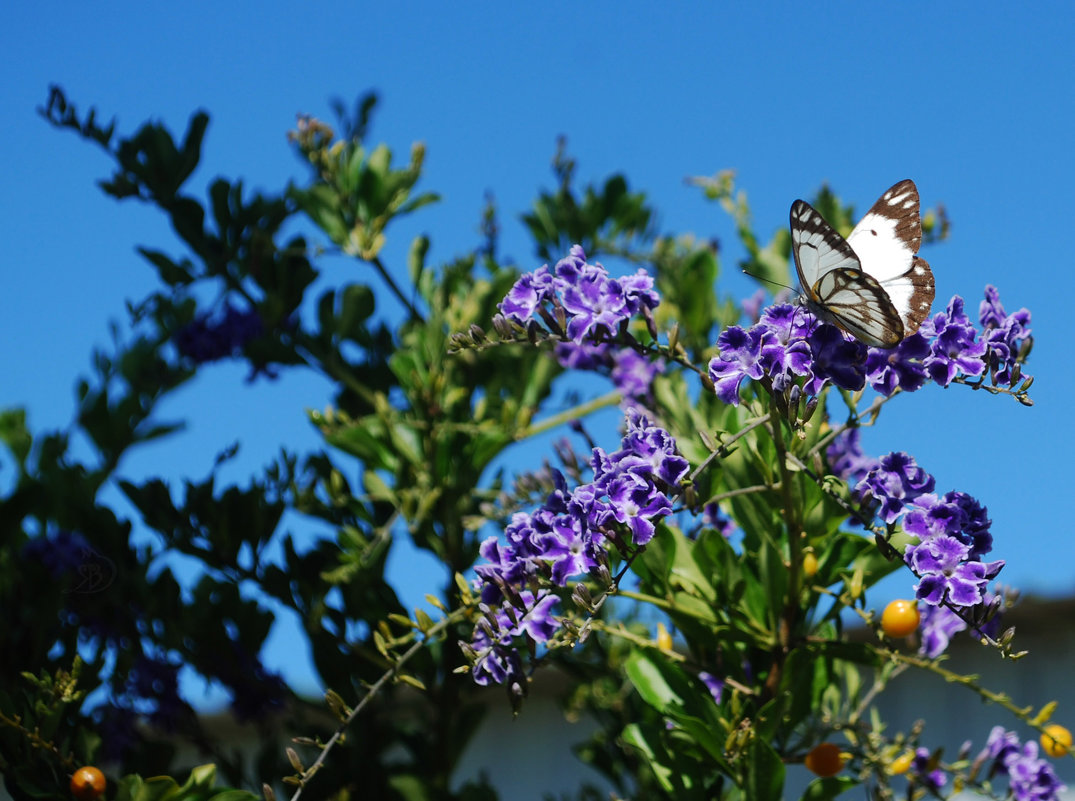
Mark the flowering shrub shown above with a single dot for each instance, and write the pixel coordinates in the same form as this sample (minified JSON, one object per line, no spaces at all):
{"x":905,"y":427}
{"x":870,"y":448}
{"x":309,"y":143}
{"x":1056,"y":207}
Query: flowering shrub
{"x":736,"y":504}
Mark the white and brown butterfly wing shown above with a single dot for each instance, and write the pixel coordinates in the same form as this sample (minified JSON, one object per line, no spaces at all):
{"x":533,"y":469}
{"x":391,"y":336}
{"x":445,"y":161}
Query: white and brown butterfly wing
{"x":886,"y":242}
{"x":838,"y":289}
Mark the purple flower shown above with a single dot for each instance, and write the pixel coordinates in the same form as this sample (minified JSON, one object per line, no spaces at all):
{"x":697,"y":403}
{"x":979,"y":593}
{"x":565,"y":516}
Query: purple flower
{"x":846,"y":458}
{"x":635,"y":502}
{"x":595,"y":303}
{"x":752,"y":306}
{"x":939,"y":624}
{"x":713,"y":684}
{"x":738,"y":359}
{"x":653,"y":447}
{"x":529,"y":292}
{"x":633,"y":373}
{"x":899,"y":367}
{"x":567,"y":549}
{"x":785,"y":353}
{"x":714,"y":517}
{"x":974,"y":530}
{"x":930,"y":517}
{"x":895,"y":483}
{"x":944,"y":573}
{"x":956,"y":514}
{"x":639,"y":291}
{"x":953,"y":350}
{"x":837,"y":359}
{"x":585,"y":356}
{"x":206,"y":339}
{"x":934,"y":778}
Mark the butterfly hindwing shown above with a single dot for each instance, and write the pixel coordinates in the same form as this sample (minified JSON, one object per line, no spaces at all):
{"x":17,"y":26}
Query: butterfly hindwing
{"x":855,"y":302}
{"x":872,"y":284}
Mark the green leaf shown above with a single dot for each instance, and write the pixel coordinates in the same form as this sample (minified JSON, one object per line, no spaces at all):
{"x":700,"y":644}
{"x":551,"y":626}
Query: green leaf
{"x":14,"y":434}
{"x":824,"y":789}
{"x":651,"y":681}
{"x":765,"y":772}
{"x":171,"y":273}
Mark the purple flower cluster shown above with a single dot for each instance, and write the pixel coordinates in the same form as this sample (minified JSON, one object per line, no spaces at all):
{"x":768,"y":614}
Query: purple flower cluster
{"x":1004,"y":335}
{"x":953,"y":531}
{"x":631,"y":372}
{"x":206,"y":339}
{"x":788,"y":343}
{"x":61,"y":553}
{"x":569,"y":536}
{"x":595,"y":304}
{"x":1030,"y":778}
{"x":156,"y":682}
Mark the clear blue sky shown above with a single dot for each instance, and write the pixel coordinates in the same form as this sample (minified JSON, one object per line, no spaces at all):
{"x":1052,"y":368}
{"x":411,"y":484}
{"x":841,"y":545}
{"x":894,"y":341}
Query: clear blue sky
{"x":975,"y":103}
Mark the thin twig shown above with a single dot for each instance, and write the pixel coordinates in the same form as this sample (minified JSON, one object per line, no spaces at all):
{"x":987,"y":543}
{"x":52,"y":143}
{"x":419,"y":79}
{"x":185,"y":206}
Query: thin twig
{"x":389,"y":675}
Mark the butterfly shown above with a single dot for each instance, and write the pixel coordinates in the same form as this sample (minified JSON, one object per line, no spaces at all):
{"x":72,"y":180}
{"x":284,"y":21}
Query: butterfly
{"x":872,"y":284}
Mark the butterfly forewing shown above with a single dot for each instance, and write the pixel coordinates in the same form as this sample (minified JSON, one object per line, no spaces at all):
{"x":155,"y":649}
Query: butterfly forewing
{"x":817,"y":247}
{"x":886,"y":242}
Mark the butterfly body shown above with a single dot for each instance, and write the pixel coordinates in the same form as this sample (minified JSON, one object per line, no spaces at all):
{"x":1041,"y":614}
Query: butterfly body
{"x":872,"y":285}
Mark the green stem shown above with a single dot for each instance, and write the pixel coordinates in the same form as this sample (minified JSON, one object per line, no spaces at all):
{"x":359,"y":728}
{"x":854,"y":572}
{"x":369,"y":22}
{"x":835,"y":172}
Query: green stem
{"x":392,"y":285}
{"x":566,"y":416}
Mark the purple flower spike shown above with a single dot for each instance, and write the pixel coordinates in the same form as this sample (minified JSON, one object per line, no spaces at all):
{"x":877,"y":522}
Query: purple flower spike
{"x":1030,"y":778}
{"x":596,"y":304}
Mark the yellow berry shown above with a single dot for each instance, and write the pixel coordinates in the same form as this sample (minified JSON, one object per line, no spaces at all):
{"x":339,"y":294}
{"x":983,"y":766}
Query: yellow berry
{"x":825,"y":760}
{"x":809,"y":565}
{"x":87,"y":784}
{"x":901,"y":764}
{"x":664,"y":639}
{"x":1056,"y":741}
{"x":900,"y":618}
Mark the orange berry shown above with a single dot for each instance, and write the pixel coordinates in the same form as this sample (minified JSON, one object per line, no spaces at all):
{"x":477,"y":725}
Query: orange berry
{"x":88,"y":784}
{"x":825,"y":760}
{"x":1056,"y":741}
{"x":900,"y":618}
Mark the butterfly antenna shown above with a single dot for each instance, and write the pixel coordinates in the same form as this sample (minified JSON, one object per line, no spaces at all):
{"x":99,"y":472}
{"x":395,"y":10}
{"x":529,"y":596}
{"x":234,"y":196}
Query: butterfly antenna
{"x":757,"y":277}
